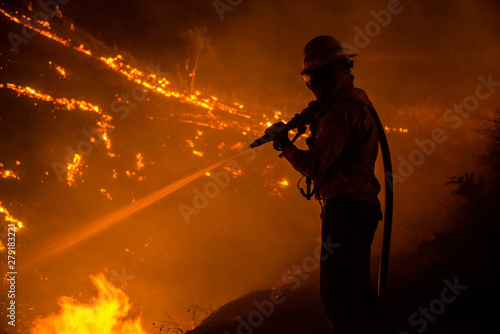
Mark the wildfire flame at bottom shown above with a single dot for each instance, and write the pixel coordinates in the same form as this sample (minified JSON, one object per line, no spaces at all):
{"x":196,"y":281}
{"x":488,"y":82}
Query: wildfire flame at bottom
{"x":105,"y":314}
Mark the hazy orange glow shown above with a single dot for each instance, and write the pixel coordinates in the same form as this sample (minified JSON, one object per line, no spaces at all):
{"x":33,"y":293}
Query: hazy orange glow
{"x":104,"y":314}
{"x":103,"y":125}
{"x":109,"y":311}
{"x":105,"y":222}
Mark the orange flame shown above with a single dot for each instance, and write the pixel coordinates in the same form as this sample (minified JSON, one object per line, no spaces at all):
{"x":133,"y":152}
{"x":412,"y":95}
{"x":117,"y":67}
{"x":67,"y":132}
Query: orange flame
{"x":150,"y":81}
{"x":106,"y":193}
{"x":159,"y":85}
{"x":104,"y":314}
{"x":28,"y":23}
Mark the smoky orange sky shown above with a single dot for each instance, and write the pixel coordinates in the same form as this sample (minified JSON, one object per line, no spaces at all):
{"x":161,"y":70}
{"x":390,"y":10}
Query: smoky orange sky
{"x":417,"y":60}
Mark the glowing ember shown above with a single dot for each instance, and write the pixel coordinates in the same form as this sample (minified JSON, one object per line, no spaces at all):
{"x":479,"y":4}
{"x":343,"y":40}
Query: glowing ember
{"x":28,"y":23}
{"x":388,"y":129}
{"x":105,"y":193}
{"x":159,"y":85}
{"x":283,"y":183}
{"x":105,"y":314}
{"x":8,"y":174}
{"x":61,"y":71}
{"x":81,"y":48}
{"x":74,"y":238}
{"x":103,"y":125}
{"x":139,"y":164}
{"x":235,"y":172}
{"x":150,"y":81}
{"x":28,"y":91}
{"x":74,"y":169}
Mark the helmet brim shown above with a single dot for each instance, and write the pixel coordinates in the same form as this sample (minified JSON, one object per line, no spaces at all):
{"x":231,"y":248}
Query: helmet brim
{"x":313,"y":64}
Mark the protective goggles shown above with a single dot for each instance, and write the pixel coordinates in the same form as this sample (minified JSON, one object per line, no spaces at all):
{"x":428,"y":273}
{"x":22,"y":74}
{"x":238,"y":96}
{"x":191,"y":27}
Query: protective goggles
{"x":312,"y":78}
{"x":309,"y":78}
{"x":316,"y":75}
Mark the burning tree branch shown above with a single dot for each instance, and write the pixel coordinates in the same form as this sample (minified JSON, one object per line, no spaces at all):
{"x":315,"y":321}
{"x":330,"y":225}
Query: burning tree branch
{"x":198,"y":43}
{"x":169,"y":325}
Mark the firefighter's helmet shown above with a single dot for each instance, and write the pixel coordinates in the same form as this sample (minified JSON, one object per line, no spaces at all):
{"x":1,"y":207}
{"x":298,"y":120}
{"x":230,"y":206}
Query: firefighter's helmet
{"x":321,"y":51}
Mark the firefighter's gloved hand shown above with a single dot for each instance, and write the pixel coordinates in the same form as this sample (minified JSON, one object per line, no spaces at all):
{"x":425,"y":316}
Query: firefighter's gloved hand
{"x":279,"y":135}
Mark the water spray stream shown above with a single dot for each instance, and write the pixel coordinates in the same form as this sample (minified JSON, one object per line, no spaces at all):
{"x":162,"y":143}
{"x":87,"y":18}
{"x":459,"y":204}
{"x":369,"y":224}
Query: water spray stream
{"x":75,"y":237}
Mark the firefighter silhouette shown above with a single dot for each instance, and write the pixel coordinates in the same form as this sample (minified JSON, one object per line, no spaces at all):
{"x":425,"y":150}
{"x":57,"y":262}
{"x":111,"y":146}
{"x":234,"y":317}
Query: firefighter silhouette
{"x":343,"y":147}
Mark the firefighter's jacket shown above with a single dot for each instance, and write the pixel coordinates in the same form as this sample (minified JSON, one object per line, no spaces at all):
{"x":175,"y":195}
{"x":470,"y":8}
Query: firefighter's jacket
{"x":341,"y":160}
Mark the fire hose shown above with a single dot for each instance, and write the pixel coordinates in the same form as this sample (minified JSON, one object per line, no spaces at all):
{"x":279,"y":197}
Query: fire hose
{"x":299,"y":122}
{"x":388,"y":212}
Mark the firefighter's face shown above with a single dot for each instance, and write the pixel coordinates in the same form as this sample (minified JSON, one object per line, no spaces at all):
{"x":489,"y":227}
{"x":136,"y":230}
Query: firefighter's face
{"x":325,"y":79}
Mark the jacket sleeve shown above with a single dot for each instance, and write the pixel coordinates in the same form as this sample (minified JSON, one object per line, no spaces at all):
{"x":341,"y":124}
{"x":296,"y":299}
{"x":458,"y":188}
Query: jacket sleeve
{"x":329,"y":143}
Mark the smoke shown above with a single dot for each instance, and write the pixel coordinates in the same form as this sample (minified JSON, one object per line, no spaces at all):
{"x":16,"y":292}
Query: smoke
{"x":416,"y":67}
{"x":423,"y":62}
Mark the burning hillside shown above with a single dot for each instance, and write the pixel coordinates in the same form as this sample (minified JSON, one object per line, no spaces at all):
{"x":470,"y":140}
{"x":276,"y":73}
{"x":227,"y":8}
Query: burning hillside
{"x":115,"y":166}
{"x":104,"y":314}
{"x":88,"y":129}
